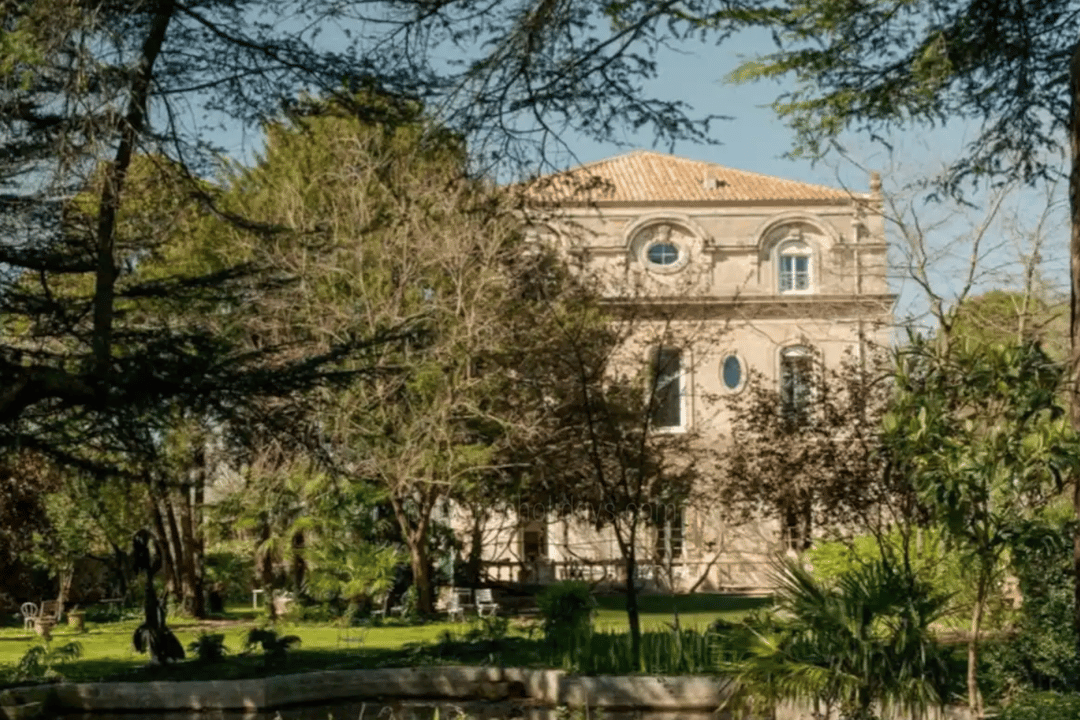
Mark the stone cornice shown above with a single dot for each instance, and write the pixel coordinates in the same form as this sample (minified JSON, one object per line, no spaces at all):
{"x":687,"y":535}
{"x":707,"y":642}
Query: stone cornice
{"x":764,"y":307}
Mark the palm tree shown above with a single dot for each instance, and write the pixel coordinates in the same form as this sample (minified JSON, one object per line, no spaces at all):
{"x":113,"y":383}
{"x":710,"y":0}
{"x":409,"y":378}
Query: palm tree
{"x":859,"y":646}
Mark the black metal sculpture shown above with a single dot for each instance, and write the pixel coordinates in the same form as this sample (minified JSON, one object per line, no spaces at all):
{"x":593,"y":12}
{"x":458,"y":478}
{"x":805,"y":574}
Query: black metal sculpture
{"x":152,"y":636}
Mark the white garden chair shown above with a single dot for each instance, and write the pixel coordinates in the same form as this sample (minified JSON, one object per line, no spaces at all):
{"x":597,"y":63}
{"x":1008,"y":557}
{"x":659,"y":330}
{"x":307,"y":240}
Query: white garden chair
{"x":29,"y":615}
{"x":459,"y":600}
{"x":485,"y":603}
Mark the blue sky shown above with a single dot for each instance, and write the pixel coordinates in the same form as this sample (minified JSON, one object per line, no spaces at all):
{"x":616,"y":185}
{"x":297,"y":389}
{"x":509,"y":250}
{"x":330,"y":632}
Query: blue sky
{"x":755,"y":140}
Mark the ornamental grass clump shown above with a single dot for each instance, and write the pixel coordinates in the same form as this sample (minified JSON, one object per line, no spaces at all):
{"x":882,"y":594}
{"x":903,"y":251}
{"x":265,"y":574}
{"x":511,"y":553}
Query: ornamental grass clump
{"x":671,"y":652}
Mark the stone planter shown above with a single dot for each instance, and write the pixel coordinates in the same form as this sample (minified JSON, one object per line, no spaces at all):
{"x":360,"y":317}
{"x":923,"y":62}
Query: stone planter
{"x":43,"y":627}
{"x":77,"y":620}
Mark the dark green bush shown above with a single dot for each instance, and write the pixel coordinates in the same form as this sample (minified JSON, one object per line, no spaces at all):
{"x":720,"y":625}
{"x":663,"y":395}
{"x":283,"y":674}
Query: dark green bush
{"x":567,"y":608}
{"x":1039,"y":653}
{"x":230,"y":571}
{"x":274,"y":646}
{"x":208,"y":647}
{"x":1042,"y":706}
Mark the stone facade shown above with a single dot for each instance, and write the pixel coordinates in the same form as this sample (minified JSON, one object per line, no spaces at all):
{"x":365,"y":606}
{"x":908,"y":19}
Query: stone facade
{"x":728,"y":271}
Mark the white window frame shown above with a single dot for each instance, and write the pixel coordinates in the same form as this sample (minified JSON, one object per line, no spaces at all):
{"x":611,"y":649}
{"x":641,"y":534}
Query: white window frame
{"x":794,"y":248}
{"x":683,"y":377}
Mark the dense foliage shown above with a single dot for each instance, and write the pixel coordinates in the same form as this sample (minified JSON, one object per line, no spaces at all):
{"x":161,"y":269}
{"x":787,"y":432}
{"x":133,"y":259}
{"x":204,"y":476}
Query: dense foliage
{"x":567,"y":608}
{"x":1034,"y":654}
{"x":1042,"y":706}
{"x":858,"y":646}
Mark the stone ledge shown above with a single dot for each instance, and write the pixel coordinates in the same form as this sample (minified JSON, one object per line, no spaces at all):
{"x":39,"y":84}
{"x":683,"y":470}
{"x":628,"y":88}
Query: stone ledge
{"x":550,"y":688}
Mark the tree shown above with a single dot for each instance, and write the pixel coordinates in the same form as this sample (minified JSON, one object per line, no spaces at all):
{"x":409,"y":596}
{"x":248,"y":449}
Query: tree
{"x":979,"y":433}
{"x":1000,"y":317}
{"x":87,"y":85}
{"x":810,"y":451}
{"x":606,"y":375}
{"x":387,"y":231}
{"x":1013,"y":68}
{"x":24,"y":481}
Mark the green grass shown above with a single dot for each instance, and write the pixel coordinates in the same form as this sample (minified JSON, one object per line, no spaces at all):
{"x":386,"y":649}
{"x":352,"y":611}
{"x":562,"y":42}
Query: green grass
{"x":695,"y":611}
{"x":107,"y":649}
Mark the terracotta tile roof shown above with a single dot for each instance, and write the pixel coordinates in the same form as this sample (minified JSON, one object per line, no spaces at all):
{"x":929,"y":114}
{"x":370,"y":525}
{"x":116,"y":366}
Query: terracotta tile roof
{"x":647,"y":176}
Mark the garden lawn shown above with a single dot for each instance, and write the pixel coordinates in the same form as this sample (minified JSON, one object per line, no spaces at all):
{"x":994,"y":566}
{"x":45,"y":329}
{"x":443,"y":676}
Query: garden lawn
{"x":657,"y":611}
{"x":107,"y":648}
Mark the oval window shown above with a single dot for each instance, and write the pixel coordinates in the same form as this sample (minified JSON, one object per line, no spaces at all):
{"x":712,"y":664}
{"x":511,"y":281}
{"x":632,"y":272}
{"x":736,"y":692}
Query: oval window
{"x":732,"y":372}
{"x":663,"y":253}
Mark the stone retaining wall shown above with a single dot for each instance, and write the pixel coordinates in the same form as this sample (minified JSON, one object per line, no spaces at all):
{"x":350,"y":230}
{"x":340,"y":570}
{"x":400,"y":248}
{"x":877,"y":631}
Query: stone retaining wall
{"x":547,"y":687}
{"x":550,"y":688}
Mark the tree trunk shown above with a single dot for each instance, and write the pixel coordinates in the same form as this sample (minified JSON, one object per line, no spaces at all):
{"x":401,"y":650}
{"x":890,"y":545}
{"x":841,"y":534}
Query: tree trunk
{"x":120,"y":560}
{"x":974,"y":697}
{"x":198,"y":543}
{"x":190,"y":583}
{"x":425,"y":601}
{"x":632,"y":614}
{"x":67,"y":575}
{"x":161,"y":532}
{"x":109,"y":203}
{"x":174,"y":551}
{"x":476,"y":550}
{"x":298,"y":568}
{"x":1074,"y":307}
{"x":416,"y":538}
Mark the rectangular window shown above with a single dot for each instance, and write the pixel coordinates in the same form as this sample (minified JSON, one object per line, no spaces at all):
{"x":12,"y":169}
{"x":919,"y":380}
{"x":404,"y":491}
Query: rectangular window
{"x":794,"y":273}
{"x":666,"y":403}
{"x":534,"y":542}
{"x":669,"y":533}
{"x":796,"y":367}
{"x":795,"y":531}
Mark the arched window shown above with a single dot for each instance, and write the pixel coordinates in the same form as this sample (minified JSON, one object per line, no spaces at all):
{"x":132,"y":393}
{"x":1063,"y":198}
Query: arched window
{"x":794,"y":265}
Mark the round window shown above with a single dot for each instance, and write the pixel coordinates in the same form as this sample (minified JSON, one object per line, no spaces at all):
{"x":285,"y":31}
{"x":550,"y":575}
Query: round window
{"x":663,"y":253}
{"x":731,"y":371}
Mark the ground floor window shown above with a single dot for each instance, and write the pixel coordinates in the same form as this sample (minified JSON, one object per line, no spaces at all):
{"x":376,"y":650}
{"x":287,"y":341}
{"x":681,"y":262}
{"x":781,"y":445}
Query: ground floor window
{"x":669,"y":533}
{"x":534,"y":542}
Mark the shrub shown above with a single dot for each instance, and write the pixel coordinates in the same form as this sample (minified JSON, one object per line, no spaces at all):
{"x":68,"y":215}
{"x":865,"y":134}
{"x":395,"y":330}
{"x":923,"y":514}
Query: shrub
{"x":861,"y":644}
{"x":230,"y":568}
{"x":491,"y":628}
{"x":208,"y":648}
{"x":273,"y":646}
{"x":567,"y":608}
{"x":943,"y":570}
{"x":40,"y":661}
{"x":1043,"y":706}
{"x":1037,"y":655}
